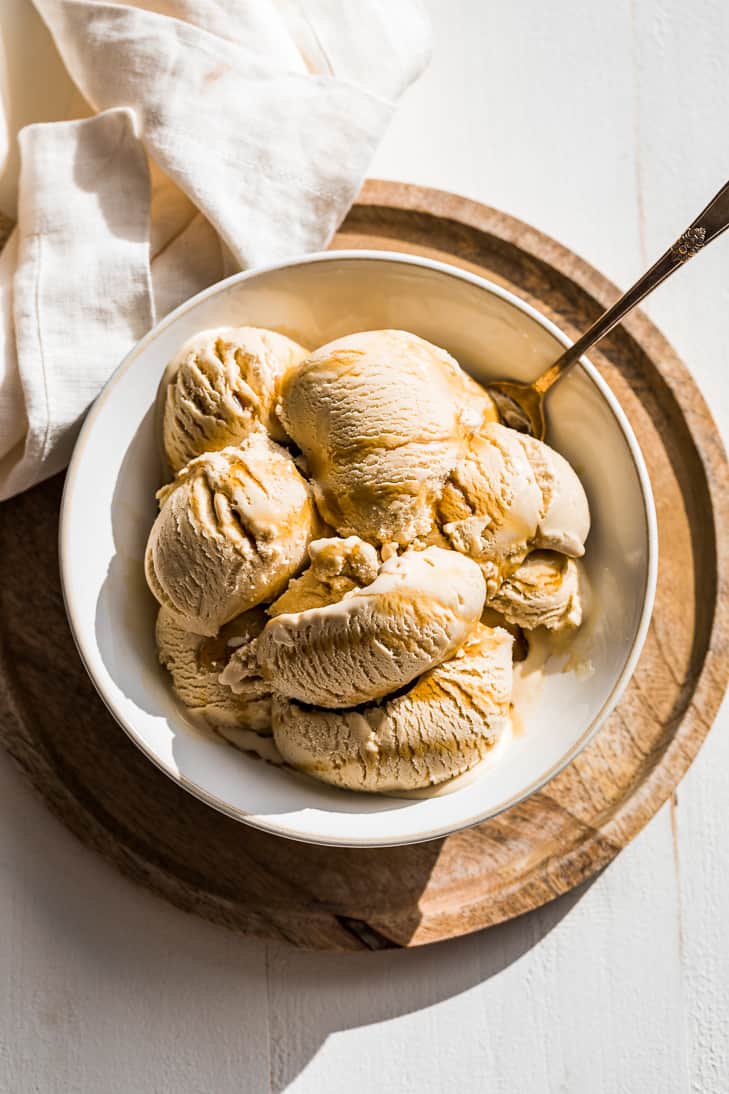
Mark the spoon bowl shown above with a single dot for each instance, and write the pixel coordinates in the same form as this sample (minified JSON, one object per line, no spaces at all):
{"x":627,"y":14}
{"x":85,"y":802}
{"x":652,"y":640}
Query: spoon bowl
{"x":519,"y":406}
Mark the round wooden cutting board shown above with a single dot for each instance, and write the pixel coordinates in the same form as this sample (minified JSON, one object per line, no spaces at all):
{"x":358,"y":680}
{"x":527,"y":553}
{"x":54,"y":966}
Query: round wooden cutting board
{"x":55,"y":726}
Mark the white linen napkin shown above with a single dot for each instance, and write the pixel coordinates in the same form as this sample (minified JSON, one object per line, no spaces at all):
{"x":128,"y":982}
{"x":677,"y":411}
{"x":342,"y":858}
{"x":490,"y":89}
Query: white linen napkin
{"x":224,"y":134}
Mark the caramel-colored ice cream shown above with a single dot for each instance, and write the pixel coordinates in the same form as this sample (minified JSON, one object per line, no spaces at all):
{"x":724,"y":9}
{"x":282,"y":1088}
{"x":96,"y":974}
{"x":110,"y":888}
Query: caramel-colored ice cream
{"x":381,"y":418}
{"x":337,"y":567}
{"x":416,"y":613}
{"x":508,"y":495}
{"x":232,"y":529}
{"x":543,"y":592}
{"x":221,"y":385}
{"x":440,"y":727}
{"x":341,"y":527}
{"x":197,"y":664}
{"x":564,"y":517}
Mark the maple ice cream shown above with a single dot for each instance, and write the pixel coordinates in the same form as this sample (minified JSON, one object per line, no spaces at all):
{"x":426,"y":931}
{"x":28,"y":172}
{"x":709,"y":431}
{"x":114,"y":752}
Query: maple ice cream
{"x":341,"y":526}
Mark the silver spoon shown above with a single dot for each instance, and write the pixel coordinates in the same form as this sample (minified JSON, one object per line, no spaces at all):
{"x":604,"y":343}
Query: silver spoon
{"x":521,"y":405}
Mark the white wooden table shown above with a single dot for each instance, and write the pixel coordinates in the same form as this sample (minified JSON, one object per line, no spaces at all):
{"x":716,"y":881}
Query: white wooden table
{"x":605,"y":125}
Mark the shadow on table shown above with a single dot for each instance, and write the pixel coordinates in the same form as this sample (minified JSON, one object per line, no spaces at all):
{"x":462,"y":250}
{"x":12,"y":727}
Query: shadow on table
{"x":336,"y":993}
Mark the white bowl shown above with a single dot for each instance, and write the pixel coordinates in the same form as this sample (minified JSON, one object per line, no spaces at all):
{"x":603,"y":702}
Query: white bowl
{"x":109,"y":506}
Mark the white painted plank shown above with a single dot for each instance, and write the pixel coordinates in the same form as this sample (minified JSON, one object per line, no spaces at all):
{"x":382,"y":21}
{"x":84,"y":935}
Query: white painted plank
{"x":683,"y":99}
{"x":104,"y":988}
{"x":580,"y":996}
{"x":530,"y":109}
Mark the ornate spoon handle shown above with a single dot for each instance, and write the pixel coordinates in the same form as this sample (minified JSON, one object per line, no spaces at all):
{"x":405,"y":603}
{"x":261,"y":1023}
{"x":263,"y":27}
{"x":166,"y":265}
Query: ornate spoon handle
{"x":709,"y":224}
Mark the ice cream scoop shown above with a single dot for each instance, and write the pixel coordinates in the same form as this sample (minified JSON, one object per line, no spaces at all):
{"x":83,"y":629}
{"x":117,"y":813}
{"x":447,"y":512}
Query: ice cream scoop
{"x":440,"y":727}
{"x":508,"y":494}
{"x":222,"y":384}
{"x":417,"y":612}
{"x":381,"y":419}
{"x":543,"y":592}
{"x":232,"y":529}
{"x":337,"y":567}
{"x":196,"y":664}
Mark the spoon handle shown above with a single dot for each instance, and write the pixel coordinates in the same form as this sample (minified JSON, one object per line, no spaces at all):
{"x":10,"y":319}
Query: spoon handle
{"x":709,"y":224}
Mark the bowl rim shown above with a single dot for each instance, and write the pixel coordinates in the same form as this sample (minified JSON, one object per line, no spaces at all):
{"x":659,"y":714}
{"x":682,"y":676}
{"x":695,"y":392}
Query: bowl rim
{"x":263,"y":822}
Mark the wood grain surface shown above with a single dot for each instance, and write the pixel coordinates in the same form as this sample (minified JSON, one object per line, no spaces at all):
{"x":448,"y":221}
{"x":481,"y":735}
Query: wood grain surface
{"x":58,"y":731}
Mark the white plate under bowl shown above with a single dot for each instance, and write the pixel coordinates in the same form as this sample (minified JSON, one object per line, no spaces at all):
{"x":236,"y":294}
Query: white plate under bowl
{"x":109,"y":506}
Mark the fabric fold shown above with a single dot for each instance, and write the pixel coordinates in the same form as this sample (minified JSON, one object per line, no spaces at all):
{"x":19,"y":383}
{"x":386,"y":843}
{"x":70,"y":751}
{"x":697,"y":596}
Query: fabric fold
{"x":272,"y":157}
{"x":77,"y":306}
{"x":255,"y":120}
